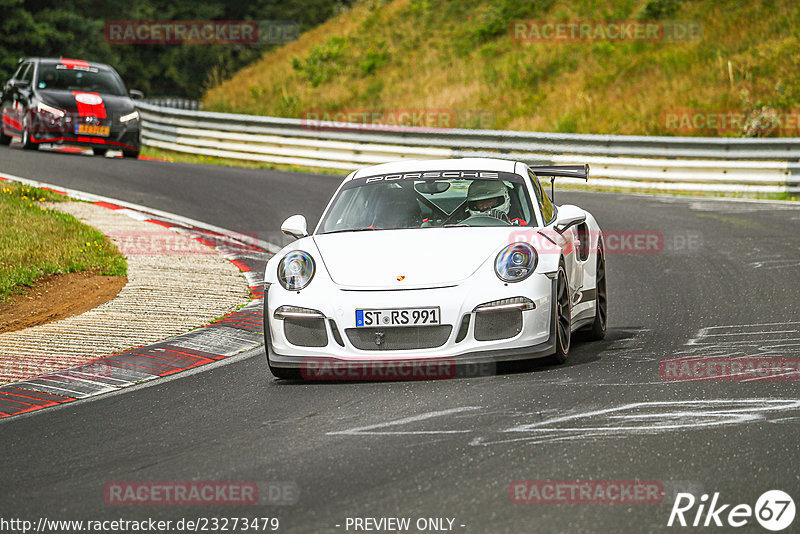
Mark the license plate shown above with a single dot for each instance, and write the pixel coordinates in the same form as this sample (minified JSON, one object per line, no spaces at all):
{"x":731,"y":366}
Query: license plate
{"x":398,"y":317}
{"x":91,"y":129}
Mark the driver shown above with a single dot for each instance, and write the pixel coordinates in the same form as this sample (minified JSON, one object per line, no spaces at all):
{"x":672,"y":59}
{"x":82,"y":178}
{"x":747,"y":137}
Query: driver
{"x":488,"y":198}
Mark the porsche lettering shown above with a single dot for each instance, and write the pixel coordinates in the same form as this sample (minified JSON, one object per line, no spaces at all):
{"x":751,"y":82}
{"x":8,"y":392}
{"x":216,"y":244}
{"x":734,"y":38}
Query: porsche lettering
{"x":432,"y":175}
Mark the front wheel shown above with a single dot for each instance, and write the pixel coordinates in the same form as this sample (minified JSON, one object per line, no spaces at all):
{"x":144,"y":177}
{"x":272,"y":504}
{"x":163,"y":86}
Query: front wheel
{"x":130,"y":154}
{"x":598,"y":329}
{"x":5,"y":140}
{"x":283,"y":373}
{"x":27,"y":141}
{"x":563,"y":318}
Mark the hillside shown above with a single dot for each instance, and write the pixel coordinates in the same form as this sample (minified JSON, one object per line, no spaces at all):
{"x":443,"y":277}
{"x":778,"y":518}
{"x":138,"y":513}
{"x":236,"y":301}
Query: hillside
{"x":82,"y":29}
{"x":461,"y":57}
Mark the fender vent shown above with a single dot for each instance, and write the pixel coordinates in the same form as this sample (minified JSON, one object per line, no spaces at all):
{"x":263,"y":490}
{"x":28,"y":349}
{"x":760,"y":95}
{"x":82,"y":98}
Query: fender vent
{"x":585,"y":239}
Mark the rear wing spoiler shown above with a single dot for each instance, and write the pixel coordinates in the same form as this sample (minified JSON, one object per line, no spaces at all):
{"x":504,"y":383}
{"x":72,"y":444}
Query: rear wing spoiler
{"x":580,"y":172}
{"x":565,"y":171}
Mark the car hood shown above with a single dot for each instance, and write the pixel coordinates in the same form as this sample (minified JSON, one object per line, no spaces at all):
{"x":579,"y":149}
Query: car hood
{"x":66,"y":100}
{"x":407,"y":259}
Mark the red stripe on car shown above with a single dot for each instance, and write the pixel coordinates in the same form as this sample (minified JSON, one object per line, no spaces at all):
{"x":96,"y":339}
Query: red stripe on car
{"x":12,"y":122}
{"x":72,"y":63}
{"x":90,"y":110}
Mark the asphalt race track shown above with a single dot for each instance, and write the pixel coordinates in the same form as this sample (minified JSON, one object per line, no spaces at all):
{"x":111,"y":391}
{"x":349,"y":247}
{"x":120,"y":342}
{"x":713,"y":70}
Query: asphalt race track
{"x":722,"y":282}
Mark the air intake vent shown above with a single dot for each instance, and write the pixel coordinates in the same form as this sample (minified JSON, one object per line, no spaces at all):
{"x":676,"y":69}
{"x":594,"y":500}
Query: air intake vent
{"x":491,"y":326}
{"x":305,"y":332}
{"x":336,"y":335}
{"x":399,"y":338}
{"x":462,"y":331}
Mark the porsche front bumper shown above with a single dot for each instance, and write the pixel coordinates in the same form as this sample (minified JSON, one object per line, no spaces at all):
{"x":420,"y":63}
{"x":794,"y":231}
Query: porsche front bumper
{"x":327,"y":330}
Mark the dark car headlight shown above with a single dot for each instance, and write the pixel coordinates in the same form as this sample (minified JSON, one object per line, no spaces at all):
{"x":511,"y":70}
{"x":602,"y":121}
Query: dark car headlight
{"x":41,"y":107}
{"x":296,"y":270}
{"x":515,"y":262}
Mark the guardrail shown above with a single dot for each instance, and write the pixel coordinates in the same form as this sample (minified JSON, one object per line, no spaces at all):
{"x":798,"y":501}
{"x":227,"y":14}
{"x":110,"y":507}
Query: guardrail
{"x":173,"y":102}
{"x":763,"y":165}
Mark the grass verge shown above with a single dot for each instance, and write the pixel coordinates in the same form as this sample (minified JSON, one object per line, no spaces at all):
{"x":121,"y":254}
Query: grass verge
{"x":36,"y":240}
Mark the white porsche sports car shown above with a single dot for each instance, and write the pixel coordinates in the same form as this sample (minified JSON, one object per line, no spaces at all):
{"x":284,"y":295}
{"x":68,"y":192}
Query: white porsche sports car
{"x":462,"y":261}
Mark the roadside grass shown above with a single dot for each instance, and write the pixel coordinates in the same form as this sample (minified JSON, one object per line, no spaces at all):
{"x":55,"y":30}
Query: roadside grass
{"x":383,"y":55}
{"x":460,"y":56}
{"x":36,"y":241}
{"x":181,"y":157}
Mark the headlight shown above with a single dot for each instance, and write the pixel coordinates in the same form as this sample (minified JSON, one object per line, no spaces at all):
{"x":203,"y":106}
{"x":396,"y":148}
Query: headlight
{"x":296,"y":270}
{"x":515,"y":262}
{"x":41,"y":106}
{"x":130,"y":117}
{"x":514,"y":303}
{"x":295,"y":312}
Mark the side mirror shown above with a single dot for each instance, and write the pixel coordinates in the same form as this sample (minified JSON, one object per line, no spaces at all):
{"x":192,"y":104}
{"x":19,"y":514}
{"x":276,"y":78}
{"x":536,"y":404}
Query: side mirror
{"x":568,"y":216}
{"x":136,"y":95}
{"x":295,"y":226}
{"x":22,"y":84}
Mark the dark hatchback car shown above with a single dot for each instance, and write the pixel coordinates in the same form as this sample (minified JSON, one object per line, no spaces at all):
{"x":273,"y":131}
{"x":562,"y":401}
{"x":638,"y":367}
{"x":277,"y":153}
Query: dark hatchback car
{"x":70,"y":102}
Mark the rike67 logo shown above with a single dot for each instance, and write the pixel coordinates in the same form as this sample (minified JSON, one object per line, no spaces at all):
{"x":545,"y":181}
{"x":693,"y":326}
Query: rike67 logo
{"x":774,"y":510}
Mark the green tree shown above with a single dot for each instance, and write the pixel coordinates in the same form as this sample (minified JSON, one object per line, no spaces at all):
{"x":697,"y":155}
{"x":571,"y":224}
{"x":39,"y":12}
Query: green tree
{"x":74,"y":28}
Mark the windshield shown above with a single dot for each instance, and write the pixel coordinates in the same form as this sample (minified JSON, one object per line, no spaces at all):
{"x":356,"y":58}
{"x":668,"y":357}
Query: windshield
{"x":431,"y":199}
{"x":61,"y":77}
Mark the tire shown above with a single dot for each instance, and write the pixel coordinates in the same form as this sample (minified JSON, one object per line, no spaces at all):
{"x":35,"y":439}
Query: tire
{"x":598,"y":329}
{"x":130,"y":154}
{"x":27,"y":142}
{"x":99,"y":151}
{"x":278,"y":372}
{"x":5,"y":140}
{"x":563,"y":317}
{"x":284,"y":374}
